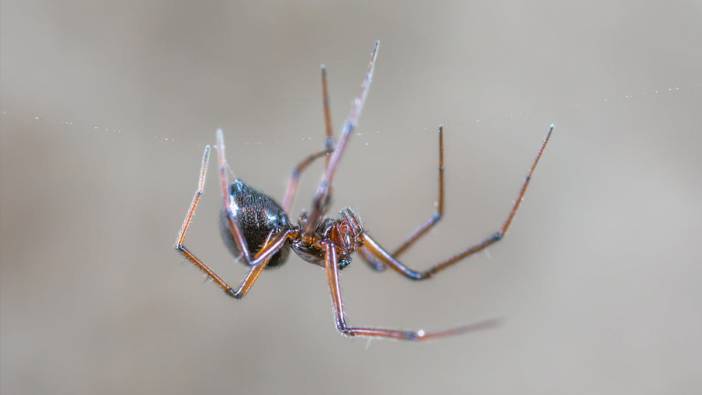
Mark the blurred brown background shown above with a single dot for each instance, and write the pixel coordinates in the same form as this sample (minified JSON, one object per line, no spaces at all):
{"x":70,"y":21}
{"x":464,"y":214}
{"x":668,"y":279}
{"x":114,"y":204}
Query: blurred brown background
{"x":106,"y":106}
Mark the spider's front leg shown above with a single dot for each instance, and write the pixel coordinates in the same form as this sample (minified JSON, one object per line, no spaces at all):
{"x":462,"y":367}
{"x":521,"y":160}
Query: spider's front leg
{"x":332,"y":270}
{"x":423,"y":229}
{"x":273,"y":243}
{"x":322,"y":196}
{"x":373,"y":248}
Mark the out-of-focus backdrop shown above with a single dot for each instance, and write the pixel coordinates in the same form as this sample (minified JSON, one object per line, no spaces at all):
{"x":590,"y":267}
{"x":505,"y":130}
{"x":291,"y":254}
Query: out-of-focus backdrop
{"x":106,"y":106}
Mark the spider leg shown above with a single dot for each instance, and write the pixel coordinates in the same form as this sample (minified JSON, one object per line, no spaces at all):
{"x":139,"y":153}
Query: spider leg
{"x":436,"y":217}
{"x":255,"y":271}
{"x":294,"y":179}
{"x":329,"y":144}
{"x":371,"y":260}
{"x":332,"y":271}
{"x":382,"y":255}
{"x":321,"y":200}
{"x":272,"y":245}
{"x":328,"y":128}
{"x":422,"y":229}
{"x":180,"y":240}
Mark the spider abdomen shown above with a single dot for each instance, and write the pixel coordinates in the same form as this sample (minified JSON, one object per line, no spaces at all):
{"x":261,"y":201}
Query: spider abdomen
{"x":257,"y":215}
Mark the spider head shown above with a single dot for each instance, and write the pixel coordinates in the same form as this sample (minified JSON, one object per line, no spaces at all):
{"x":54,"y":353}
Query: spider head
{"x":346,"y":232}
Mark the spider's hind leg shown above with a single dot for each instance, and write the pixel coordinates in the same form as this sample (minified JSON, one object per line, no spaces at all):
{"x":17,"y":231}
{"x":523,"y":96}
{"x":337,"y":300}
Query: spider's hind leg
{"x":273,"y":243}
{"x":180,"y":240}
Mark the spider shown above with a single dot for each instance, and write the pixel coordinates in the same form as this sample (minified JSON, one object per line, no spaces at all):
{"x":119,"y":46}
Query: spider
{"x":257,"y":230}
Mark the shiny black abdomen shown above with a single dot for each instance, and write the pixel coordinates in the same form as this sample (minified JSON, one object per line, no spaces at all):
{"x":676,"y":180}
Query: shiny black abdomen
{"x":257,"y":215}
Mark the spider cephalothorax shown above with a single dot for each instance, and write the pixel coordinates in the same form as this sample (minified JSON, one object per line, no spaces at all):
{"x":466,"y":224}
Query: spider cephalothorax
{"x":257,"y":229}
{"x":344,"y":233}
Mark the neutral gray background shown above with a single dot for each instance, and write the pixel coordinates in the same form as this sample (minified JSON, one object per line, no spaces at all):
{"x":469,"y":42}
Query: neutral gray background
{"x":106,"y":106}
